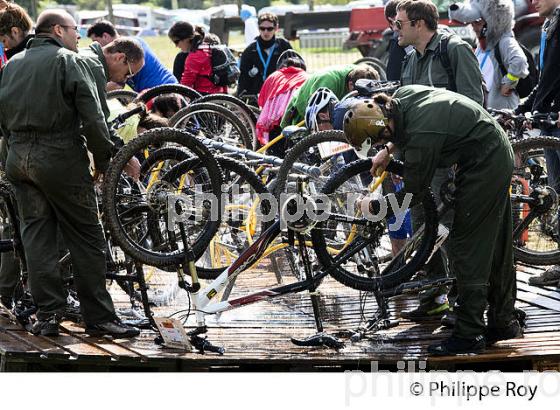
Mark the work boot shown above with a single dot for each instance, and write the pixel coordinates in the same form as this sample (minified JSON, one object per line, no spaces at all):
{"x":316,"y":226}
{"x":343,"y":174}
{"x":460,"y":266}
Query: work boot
{"x":457,"y":345}
{"x":47,"y":327}
{"x":114,"y":328}
{"x":512,"y":331}
{"x":550,"y":277}
{"x":426,"y":311}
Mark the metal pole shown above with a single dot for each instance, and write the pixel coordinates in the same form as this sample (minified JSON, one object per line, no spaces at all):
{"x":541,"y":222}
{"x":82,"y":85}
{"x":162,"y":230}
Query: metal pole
{"x":110,"y":10}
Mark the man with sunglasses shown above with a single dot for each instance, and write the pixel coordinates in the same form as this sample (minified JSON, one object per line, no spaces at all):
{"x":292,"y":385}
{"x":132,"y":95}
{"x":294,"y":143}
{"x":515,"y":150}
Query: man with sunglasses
{"x":259,"y":59}
{"x":51,"y":115}
{"x":440,"y":60}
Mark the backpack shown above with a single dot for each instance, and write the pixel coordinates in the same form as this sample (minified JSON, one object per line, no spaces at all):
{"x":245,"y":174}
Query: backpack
{"x":441,"y":52}
{"x":225,"y":71}
{"x":525,"y":85}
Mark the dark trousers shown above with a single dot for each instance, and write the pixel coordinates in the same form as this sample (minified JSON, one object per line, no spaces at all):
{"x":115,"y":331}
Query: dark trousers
{"x":480,"y":246}
{"x":54,"y":189}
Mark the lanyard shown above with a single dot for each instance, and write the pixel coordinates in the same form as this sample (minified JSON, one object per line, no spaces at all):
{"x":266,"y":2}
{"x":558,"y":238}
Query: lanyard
{"x":484,"y":58}
{"x":541,"y":51}
{"x":265,"y":64}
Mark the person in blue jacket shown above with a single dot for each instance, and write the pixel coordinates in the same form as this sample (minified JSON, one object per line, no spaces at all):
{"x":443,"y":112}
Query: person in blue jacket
{"x":153,"y":73}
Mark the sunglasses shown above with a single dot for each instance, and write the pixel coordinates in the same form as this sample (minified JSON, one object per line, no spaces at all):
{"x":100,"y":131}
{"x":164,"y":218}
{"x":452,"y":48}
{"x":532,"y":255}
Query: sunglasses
{"x":267,"y":28}
{"x":399,"y":24}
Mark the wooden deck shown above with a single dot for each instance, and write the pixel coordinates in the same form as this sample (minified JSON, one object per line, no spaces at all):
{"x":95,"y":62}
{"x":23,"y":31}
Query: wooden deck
{"x":257,"y":338}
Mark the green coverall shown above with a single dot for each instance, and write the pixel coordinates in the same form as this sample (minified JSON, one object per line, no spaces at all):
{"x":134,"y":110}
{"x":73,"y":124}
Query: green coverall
{"x":10,"y":265}
{"x":48,"y":97}
{"x":428,"y":69}
{"x":436,"y":128}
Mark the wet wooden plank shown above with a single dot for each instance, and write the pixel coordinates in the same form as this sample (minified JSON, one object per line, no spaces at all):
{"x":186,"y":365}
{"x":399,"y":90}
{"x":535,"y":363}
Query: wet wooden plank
{"x":259,"y":335}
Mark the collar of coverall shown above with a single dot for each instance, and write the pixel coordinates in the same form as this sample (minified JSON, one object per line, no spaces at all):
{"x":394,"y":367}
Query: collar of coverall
{"x":398,"y":135}
{"x":42,"y":39}
{"x":96,"y":48}
{"x":432,"y":45}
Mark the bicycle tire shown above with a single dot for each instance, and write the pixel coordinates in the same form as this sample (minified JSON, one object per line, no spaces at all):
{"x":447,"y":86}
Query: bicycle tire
{"x":124,"y":96}
{"x":246,"y":114}
{"x":294,"y":154}
{"x":246,"y":174}
{"x":388,"y":280}
{"x":522,"y":148}
{"x":157,"y":137}
{"x":187,"y":92}
{"x":240,"y":133}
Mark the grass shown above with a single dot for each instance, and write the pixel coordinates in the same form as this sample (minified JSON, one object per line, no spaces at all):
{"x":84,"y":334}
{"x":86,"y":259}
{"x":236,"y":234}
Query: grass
{"x":316,"y":58}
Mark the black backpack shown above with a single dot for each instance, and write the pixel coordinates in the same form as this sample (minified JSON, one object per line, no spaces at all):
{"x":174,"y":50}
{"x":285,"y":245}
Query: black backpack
{"x":225,"y":71}
{"x":525,"y":85}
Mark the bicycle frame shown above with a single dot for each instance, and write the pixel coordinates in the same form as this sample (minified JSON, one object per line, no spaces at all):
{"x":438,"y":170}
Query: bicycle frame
{"x":203,"y":297}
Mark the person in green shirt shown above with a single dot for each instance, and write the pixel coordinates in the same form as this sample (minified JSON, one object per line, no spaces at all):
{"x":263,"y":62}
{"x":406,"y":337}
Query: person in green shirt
{"x":340,"y":80}
{"x":436,"y":128}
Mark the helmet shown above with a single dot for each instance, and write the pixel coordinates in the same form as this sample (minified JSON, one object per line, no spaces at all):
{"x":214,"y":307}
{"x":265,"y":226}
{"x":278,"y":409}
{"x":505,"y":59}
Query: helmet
{"x":320,"y":99}
{"x":363,"y":124}
{"x":281,"y":62}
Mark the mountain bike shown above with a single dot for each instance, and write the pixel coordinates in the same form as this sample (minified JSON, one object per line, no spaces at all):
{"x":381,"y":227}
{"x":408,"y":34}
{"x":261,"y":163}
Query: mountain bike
{"x":186,"y":238}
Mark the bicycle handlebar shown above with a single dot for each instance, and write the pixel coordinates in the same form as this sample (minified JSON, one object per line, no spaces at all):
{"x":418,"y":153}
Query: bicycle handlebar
{"x":121,"y":118}
{"x":301,"y":168}
{"x":536,"y":119}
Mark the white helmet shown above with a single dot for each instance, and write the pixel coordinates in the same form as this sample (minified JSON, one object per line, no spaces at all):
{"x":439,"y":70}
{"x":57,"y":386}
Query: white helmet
{"x":319,"y":100}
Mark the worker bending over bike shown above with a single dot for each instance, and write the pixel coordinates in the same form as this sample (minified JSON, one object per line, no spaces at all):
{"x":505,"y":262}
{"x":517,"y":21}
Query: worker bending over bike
{"x":436,"y":128}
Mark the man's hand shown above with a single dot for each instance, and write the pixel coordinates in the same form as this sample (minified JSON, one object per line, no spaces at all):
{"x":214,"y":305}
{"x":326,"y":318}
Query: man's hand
{"x":380,"y":162}
{"x":506,"y":90}
{"x":132,"y":169}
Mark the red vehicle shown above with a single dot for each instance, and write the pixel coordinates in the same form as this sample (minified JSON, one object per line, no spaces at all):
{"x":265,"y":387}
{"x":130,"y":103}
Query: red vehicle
{"x":369,"y":31}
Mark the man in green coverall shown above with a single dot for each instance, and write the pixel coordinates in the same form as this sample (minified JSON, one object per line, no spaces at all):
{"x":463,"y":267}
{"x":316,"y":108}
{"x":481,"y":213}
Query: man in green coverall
{"x":455,"y":68}
{"x":48,"y":100}
{"x":435,"y":128}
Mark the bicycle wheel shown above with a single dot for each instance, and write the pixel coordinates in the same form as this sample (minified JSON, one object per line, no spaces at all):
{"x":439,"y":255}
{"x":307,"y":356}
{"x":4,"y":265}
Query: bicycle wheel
{"x":309,"y":151}
{"x":124,"y":96}
{"x":188,"y":93}
{"x":214,"y":122}
{"x":142,"y":215}
{"x":243,"y":194}
{"x":373,"y":266}
{"x":236,"y":106}
{"x":536,"y":238}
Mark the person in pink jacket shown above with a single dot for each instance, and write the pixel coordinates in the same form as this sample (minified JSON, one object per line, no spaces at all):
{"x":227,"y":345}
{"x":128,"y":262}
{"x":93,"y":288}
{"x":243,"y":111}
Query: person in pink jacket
{"x":276,"y":93}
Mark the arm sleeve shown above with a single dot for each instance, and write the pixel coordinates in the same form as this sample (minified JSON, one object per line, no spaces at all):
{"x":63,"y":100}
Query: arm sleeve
{"x":514,"y":60}
{"x":467,"y":72}
{"x":191,"y":70}
{"x":80,"y":83}
{"x":244,"y":67}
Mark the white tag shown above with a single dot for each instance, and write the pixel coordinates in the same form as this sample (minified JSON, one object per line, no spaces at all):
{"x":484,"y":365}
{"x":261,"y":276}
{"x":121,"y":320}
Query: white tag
{"x":329,"y":148}
{"x":173,"y":333}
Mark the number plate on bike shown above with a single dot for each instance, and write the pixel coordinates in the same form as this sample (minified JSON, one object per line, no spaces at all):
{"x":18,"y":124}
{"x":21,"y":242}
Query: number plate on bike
{"x":173,"y":333}
{"x":329,"y":148}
